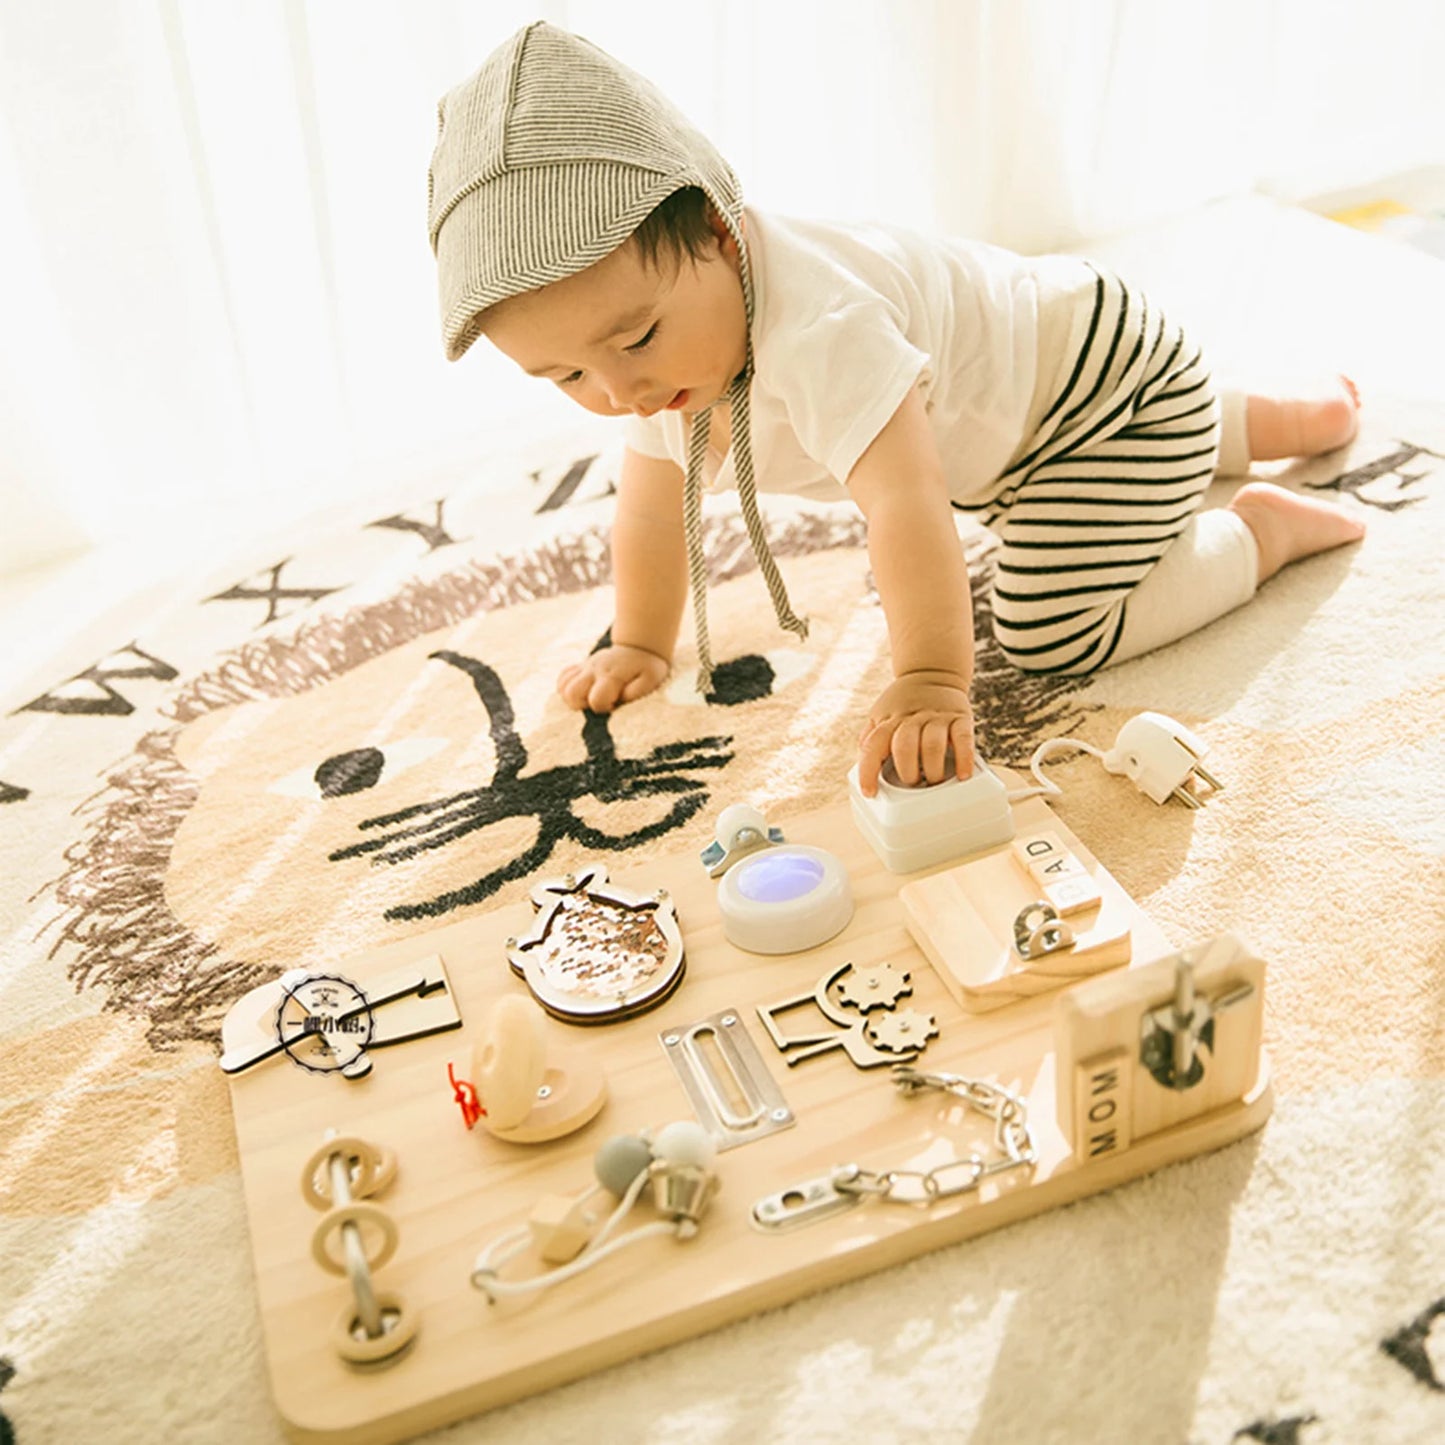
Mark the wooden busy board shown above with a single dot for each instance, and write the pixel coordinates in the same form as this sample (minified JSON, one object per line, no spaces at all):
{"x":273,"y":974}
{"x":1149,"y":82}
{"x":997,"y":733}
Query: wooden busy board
{"x":455,"y":1191}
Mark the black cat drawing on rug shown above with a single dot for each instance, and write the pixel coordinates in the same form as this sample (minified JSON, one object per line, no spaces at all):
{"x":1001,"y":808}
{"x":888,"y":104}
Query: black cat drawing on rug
{"x":548,"y":796}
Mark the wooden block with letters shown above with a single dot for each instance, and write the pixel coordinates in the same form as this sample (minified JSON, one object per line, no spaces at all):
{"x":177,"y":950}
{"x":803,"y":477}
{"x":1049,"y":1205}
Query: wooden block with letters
{"x":1119,"y":1080}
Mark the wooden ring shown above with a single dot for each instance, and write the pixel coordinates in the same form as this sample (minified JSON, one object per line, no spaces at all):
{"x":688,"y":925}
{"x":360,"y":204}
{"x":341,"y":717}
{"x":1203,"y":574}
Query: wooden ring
{"x":366,"y":1217}
{"x":385,"y":1173}
{"x":399,"y":1325}
{"x":370,"y":1167}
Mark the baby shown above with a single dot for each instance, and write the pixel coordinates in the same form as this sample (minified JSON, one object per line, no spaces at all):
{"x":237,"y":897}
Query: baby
{"x":598,"y":240}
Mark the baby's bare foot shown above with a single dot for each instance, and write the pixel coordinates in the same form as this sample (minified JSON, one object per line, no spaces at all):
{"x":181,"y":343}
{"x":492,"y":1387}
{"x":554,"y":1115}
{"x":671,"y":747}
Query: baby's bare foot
{"x":1303,"y":426}
{"x":1288,"y":526}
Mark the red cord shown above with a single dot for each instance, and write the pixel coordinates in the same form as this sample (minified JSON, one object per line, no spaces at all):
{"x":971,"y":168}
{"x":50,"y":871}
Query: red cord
{"x":465,"y":1094}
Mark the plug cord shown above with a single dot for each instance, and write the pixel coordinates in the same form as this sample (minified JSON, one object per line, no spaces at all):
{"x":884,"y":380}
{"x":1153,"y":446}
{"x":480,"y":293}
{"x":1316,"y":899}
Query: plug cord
{"x":1046,"y":788}
{"x":1160,"y":756}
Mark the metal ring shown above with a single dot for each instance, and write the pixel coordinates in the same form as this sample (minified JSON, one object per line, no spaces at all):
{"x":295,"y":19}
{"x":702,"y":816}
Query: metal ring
{"x":1038,"y":930}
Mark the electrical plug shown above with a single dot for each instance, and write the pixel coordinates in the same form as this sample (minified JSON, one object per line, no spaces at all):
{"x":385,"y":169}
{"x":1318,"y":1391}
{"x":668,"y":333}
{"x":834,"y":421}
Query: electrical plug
{"x":1159,"y":756}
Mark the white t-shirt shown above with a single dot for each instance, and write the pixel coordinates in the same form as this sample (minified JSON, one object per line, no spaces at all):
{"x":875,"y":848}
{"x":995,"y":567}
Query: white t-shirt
{"x":848,"y":318}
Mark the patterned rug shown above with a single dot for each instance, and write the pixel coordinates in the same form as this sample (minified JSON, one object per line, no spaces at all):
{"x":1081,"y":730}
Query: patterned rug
{"x":351,"y":736}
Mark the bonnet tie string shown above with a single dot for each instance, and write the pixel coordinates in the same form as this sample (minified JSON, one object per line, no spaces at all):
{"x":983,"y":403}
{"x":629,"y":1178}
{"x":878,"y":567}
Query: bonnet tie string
{"x":752,"y":519}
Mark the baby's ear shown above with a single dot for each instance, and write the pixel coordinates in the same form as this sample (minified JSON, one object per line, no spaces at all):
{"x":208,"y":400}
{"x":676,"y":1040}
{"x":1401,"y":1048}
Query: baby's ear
{"x":720,"y":228}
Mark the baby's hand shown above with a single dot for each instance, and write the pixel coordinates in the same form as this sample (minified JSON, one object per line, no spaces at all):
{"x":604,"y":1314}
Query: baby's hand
{"x":919,"y":718}
{"x":610,"y":677}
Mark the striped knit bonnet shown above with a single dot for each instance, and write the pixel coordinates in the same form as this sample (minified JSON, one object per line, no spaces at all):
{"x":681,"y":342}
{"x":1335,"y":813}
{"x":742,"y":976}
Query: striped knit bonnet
{"x":548,"y":159}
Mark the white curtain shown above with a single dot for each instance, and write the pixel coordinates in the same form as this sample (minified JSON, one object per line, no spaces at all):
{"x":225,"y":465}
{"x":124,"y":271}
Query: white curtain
{"x":216,"y":289}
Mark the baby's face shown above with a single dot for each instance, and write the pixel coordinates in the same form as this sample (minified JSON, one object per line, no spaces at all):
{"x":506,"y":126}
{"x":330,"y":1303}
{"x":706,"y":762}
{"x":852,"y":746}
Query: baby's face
{"x":627,"y":337}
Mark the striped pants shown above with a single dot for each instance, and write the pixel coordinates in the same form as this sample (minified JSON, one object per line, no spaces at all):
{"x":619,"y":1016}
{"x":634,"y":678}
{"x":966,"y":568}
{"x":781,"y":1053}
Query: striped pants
{"x":1104,"y":554}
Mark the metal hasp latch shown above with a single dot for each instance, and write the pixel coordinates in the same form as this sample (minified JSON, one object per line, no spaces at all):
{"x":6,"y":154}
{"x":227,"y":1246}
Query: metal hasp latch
{"x":1172,"y":1035}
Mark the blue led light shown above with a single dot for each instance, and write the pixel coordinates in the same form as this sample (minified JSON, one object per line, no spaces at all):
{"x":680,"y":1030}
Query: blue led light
{"x":778,"y":876}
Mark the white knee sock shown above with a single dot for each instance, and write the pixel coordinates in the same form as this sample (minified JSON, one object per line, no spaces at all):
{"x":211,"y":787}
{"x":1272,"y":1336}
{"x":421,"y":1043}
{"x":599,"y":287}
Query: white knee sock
{"x":1211,"y":568}
{"x":1233,"y":435}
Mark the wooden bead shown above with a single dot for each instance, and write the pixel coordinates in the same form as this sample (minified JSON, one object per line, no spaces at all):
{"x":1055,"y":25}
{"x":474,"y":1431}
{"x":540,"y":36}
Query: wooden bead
{"x":619,"y":1161}
{"x":561,"y":1226}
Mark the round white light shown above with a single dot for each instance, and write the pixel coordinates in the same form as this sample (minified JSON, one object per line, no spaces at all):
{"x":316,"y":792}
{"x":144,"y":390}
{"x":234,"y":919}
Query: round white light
{"x":784,"y":899}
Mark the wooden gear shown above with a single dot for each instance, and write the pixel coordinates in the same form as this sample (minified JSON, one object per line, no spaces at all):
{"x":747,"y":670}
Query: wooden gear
{"x":860,"y":1003}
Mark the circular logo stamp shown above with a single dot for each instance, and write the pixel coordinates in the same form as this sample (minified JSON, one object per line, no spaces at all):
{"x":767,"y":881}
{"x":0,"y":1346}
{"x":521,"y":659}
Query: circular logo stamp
{"x":325,"y":1023}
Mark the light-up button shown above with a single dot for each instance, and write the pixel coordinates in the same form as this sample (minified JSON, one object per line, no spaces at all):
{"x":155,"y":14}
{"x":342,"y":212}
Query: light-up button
{"x":913,"y":828}
{"x":784,"y":899}
{"x":779,"y":876}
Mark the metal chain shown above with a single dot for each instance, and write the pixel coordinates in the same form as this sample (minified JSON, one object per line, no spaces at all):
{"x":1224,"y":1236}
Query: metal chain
{"x":1011,"y":1137}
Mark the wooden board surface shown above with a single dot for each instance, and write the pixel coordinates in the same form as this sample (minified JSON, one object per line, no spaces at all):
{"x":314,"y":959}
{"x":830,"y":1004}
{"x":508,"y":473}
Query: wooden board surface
{"x":456,"y":1190}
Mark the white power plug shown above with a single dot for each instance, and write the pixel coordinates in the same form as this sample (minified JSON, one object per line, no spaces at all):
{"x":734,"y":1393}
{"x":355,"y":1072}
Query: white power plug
{"x":1159,"y":756}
